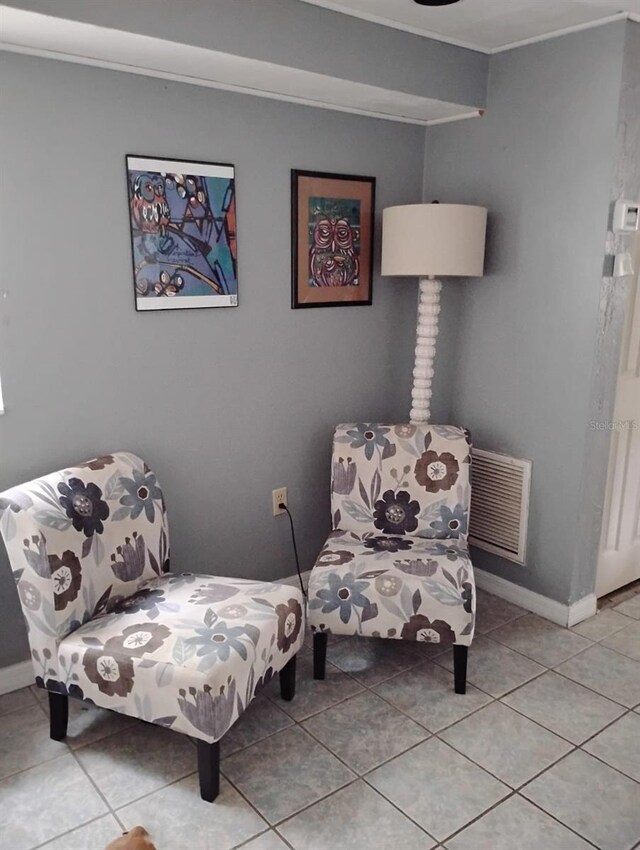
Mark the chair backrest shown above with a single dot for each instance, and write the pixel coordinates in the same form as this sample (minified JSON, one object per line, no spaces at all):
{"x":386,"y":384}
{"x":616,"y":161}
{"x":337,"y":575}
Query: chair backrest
{"x":401,"y":479}
{"x":81,"y":539}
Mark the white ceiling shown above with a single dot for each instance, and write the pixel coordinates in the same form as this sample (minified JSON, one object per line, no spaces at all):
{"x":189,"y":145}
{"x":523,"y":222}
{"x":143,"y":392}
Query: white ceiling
{"x":487,"y":25}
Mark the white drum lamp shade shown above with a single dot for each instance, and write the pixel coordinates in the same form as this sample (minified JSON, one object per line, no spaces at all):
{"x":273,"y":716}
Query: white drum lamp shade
{"x":433,"y":240}
{"x":428,"y":241}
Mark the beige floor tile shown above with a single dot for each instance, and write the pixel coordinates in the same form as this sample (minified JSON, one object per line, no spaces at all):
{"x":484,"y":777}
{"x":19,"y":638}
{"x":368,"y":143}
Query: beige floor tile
{"x":591,"y":798}
{"x":540,"y":640}
{"x":517,"y":825}
{"x":564,"y":706}
{"x":365,"y":731}
{"x":630,"y":607}
{"x":354,"y":817}
{"x":46,"y":801}
{"x":426,"y":693}
{"x":178,"y":819}
{"x":494,"y":668}
{"x":508,"y":745}
{"x":619,"y":746}
{"x":372,"y":660}
{"x":261,"y":719}
{"x":605,"y":623}
{"x":491,"y":611}
{"x":25,"y":741}
{"x":626,"y":641}
{"x":607,"y":672}
{"x":88,"y":723}
{"x":267,"y":841}
{"x":438,"y":788}
{"x":93,"y":836}
{"x":285,"y":773}
{"x":313,"y":696}
{"x":22,"y":698}
{"x":137,"y":761}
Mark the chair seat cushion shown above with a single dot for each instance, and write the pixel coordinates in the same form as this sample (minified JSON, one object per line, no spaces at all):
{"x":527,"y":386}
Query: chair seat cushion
{"x":379,"y":585}
{"x":185,"y":651}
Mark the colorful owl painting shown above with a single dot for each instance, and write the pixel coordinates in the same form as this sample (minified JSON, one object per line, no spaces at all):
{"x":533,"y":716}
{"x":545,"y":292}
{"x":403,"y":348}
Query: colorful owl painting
{"x":183,"y":233}
{"x":334,"y":242}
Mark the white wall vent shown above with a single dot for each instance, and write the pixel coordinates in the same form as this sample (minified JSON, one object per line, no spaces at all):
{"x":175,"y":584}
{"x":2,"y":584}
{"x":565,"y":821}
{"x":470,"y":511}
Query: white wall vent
{"x":500,"y":487}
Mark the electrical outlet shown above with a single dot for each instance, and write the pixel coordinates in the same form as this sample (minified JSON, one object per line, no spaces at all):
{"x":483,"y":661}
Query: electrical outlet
{"x":278,"y":497}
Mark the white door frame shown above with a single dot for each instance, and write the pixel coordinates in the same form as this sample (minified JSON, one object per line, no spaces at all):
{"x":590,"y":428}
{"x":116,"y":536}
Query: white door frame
{"x":619,"y":557}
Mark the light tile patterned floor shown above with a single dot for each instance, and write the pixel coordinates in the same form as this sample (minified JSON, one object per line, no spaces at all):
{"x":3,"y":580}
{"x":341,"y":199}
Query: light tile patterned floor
{"x":543,"y":753}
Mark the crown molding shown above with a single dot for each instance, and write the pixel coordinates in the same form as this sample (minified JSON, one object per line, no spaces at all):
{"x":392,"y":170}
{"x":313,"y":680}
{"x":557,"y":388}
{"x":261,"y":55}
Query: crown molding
{"x":342,"y":8}
{"x":396,"y":25}
{"x":589,"y":25}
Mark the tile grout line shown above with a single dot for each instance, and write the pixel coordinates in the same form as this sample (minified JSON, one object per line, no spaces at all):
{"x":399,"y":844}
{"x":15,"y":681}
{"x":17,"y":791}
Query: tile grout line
{"x":356,"y":776}
{"x":367,"y":772}
{"x":44,"y":761}
{"x":558,"y":734}
{"x":548,"y":669}
{"x":363,"y":777}
{"x":514,"y":791}
{"x":401,"y":811}
{"x":498,"y":700}
{"x":260,"y":835}
{"x":50,"y":841}
{"x":95,"y":785}
{"x":304,"y":808}
{"x":422,"y":725}
{"x":597,"y":693}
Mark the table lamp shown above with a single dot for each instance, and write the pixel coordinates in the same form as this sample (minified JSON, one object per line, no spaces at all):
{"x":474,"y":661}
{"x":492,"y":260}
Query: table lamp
{"x":427,"y":241}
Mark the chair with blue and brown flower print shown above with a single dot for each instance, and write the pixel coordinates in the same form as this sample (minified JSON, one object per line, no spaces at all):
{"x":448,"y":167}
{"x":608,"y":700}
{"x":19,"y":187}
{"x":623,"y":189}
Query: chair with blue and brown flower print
{"x":108,"y":623}
{"x":396,"y":564}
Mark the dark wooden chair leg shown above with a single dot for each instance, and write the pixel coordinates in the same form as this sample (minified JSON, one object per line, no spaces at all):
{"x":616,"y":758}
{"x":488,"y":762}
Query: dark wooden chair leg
{"x":288,"y":680}
{"x":319,"y":654}
{"x":460,"y":668}
{"x":58,"y":715}
{"x":209,"y":770}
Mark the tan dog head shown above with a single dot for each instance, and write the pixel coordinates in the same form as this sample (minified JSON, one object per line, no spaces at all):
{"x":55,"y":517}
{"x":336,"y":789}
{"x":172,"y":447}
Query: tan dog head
{"x":136,"y":839}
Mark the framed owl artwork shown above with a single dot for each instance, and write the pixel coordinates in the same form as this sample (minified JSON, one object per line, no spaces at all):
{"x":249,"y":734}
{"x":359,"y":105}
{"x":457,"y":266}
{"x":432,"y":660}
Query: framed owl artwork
{"x":183,"y":233}
{"x":332,"y":219}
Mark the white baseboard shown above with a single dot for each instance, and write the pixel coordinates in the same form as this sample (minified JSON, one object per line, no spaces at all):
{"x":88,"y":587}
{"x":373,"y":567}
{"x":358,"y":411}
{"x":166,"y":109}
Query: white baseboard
{"x":16,"y":676}
{"x":582,"y":610}
{"x":563,"y":615}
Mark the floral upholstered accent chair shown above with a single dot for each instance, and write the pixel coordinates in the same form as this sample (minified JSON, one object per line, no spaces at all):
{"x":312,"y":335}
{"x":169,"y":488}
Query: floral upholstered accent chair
{"x":109,"y":624}
{"x":396,"y":564}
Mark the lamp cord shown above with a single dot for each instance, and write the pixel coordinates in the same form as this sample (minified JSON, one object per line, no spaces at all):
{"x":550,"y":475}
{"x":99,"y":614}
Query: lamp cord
{"x":283,"y":507}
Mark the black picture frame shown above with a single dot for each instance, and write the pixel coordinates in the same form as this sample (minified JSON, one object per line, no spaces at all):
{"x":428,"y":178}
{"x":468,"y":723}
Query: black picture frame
{"x":336,"y":187}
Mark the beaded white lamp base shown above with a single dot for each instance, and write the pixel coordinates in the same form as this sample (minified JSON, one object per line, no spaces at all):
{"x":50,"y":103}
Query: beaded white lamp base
{"x":427,"y":334}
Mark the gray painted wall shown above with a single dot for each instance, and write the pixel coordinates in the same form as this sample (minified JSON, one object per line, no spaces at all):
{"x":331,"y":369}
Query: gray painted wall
{"x":295,"y":34}
{"x":225,"y":404}
{"x":541,"y":160}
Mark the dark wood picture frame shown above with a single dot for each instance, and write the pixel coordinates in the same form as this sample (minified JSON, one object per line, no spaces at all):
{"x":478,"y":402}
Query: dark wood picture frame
{"x":356,"y":251}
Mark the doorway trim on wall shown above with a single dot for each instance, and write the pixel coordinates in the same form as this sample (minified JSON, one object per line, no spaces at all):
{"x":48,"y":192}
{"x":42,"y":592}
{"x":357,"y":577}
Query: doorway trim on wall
{"x":611,"y":323}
